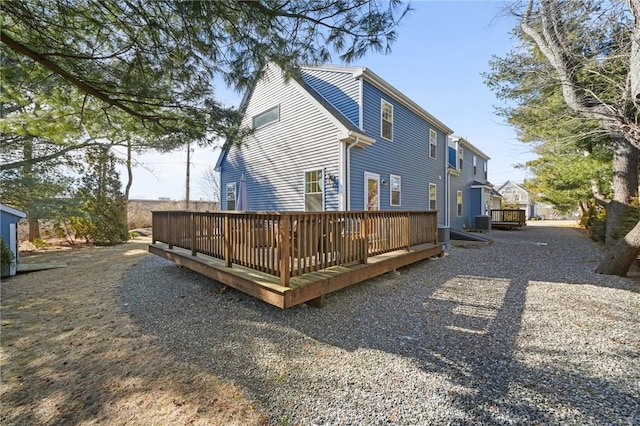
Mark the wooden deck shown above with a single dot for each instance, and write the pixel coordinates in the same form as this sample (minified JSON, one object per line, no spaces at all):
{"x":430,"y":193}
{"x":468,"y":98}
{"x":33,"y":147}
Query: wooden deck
{"x":508,"y":219}
{"x":290,"y":258}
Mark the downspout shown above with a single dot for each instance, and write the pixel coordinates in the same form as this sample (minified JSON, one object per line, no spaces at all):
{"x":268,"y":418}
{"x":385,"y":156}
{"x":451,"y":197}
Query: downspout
{"x":348,"y":180}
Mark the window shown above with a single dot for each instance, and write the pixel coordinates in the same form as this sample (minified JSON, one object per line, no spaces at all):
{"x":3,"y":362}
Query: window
{"x":267,"y":117}
{"x":231,"y":196}
{"x":386,"y":118}
{"x":460,"y":158}
{"x":395,"y":190}
{"x":432,"y":196}
{"x":459,"y":198}
{"x":433,"y":143}
{"x":475,"y":165}
{"x":313,"y":191}
{"x":486,"y":173}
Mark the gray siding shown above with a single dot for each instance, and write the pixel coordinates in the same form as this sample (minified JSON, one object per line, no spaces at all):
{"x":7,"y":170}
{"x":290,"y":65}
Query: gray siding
{"x":340,"y":89}
{"x":407,"y":156}
{"x":275,"y":157}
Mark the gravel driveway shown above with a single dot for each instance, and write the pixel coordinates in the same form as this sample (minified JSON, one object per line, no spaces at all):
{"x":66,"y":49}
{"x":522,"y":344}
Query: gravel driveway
{"x":520,"y":332}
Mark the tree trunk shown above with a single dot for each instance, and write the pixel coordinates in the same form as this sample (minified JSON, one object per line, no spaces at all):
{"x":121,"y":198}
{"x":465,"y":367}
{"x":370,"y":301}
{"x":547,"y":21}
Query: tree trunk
{"x":127,"y":188}
{"x":625,"y":185}
{"x":620,"y":257}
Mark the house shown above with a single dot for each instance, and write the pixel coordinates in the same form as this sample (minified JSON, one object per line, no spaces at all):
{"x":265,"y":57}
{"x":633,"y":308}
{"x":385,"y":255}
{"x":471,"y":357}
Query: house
{"x":471,"y":193}
{"x":9,"y":218}
{"x":338,"y":138}
{"x":514,"y":194}
{"x":345,"y":178}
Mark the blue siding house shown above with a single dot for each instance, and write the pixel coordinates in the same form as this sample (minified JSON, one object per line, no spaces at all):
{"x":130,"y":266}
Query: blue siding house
{"x":470,"y":190}
{"x":9,"y":218}
{"x":341,"y":138}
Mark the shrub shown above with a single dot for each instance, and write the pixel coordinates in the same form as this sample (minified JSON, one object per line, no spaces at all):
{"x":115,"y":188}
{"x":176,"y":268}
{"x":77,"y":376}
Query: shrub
{"x":6,"y":255}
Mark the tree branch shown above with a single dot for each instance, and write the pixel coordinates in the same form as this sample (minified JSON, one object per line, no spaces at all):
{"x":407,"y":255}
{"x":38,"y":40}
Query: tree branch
{"x":24,"y":50}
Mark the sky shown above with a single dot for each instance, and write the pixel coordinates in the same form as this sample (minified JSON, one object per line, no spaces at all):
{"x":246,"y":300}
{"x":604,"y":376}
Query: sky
{"x":442,"y":49}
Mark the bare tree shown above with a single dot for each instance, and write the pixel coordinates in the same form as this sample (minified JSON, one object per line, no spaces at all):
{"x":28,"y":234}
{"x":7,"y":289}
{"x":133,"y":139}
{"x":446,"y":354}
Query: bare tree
{"x":210,"y":184}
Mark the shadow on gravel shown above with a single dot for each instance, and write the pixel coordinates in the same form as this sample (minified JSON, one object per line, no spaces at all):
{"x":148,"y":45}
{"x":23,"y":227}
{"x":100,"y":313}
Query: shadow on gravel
{"x":476,"y":337}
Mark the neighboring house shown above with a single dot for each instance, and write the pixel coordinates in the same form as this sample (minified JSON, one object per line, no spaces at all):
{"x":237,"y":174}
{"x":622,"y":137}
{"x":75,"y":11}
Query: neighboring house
{"x":341,"y":138}
{"x":9,"y":218}
{"x":513,"y":193}
{"x":470,"y":190}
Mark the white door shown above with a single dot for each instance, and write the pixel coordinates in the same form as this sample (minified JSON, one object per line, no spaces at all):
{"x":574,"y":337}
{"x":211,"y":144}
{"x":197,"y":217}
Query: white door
{"x":372,"y":187}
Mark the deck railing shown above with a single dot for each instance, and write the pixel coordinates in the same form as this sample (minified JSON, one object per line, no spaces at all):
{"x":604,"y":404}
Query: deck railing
{"x":511,"y":216}
{"x":291,"y":244}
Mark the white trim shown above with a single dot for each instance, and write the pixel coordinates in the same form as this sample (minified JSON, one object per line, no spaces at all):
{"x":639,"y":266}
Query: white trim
{"x":322,"y":186}
{"x":361,"y":106}
{"x":265,"y":112}
{"x":342,"y":202}
{"x":391,"y":190}
{"x":436,"y":197}
{"x":367,"y":177}
{"x":11,"y":210}
{"x":433,"y":132}
{"x":384,"y":102}
{"x":13,"y":247}
{"x":235,"y":195}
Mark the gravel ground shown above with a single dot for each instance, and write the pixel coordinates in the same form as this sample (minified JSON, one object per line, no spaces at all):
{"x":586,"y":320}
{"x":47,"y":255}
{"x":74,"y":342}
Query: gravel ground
{"x":519,"y":332}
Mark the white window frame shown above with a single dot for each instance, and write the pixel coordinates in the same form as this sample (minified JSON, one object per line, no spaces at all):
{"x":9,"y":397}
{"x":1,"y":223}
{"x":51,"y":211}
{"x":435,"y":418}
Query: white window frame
{"x":486,"y":170}
{"x":320,"y":184}
{"x":460,"y":158}
{"x":459,"y":203}
{"x":399,"y":191}
{"x":265,"y":113}
{"x":475,"y":165}
{"x":234,"y":192}
{"x":433,"y":143}
{"x":433,"y":203}
{"x":384,"y":103}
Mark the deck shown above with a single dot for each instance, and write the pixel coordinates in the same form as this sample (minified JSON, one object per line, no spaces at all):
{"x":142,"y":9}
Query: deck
{"x":290,"y":258}
{"x":508,"y":219}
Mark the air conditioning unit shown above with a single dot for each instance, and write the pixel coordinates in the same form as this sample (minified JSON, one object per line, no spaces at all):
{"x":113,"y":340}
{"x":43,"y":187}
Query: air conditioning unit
{"x":483,"y":223}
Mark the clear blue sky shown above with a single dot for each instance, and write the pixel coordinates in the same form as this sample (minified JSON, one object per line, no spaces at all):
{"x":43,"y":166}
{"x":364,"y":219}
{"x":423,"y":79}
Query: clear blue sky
{"x":437,"y":60}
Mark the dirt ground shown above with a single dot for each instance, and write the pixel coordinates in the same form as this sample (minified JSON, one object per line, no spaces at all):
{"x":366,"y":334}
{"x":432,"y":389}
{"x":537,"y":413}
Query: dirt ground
{"x":69,"y":355}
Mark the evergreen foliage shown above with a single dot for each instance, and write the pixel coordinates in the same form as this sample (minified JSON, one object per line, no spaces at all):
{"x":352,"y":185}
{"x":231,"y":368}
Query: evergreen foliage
{"x":6,"y":255}
{"x":104,"y":206}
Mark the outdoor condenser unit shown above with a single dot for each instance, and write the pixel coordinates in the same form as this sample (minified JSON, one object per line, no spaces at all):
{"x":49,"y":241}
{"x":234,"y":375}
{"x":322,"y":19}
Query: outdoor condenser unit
{"x":483,"y":223}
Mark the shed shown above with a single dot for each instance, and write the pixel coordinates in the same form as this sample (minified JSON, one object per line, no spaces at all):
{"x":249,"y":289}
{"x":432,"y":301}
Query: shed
{"x":9,"y":218}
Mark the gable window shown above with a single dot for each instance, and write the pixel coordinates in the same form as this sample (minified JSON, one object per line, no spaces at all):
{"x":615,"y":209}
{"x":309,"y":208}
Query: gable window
{"x":486,"y":173}
{"x":432,"y":196}
{"x":395,"y":190}
{"x":459,"y":198}
{"x":475,"y":165}
{"x":269,"y":116}
{"x":460,"y":157}
{"x":433,"y":143}
{"x":386,"y":120}
{"x":313,"y":191}
{"x":231,"y":196}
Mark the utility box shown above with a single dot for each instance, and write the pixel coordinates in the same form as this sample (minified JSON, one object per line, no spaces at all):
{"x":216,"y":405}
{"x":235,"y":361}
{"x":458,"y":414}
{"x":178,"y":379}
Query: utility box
{"x":483,"y":223}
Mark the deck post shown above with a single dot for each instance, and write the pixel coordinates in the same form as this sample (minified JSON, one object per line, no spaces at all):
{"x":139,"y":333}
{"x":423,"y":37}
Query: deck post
{"x":227,"y":240}
{"x":365,"y":240}
{"x":284,"y":249}
{"x":194,"y":252}
{"x":408,"y":230}
{"x":154,"y":225}
{"x":169,"y":243}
